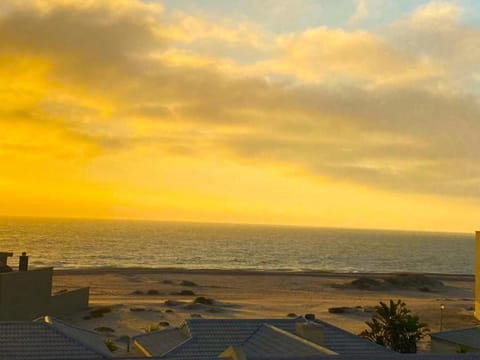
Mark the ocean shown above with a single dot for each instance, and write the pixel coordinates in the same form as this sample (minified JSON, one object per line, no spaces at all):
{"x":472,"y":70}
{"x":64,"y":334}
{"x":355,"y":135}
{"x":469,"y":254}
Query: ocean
{"x":72,"y":243}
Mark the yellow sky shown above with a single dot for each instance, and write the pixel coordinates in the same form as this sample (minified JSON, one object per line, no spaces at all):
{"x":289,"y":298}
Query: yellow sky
{"x":125,"y":109}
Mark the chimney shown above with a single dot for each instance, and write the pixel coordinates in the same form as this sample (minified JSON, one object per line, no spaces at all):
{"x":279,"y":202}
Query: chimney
{"x":477,"y":275}
{"x":23,"y":262}
{"x":310,"y":330}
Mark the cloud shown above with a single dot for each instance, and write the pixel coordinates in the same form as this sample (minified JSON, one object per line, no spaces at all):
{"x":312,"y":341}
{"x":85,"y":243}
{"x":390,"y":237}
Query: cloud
{"x":324,"y":54}
{"x":349,"y":105}
{"x":361,"y":13}
{"x":435,"y":15}
{"x":434,"y":31}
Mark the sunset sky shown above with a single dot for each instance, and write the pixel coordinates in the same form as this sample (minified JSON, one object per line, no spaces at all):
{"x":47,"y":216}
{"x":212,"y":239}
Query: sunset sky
{"x":326,"y":113}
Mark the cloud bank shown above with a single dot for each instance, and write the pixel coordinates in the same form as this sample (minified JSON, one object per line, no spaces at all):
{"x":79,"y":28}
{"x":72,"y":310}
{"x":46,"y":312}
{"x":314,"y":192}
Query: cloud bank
{"x":394,"y":108}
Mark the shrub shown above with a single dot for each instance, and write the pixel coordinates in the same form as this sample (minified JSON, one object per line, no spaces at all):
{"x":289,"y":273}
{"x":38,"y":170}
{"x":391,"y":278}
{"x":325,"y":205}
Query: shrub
{"x":184,"y":293}
{"x":394,"y":326}
{"x":104,"y":329}
{"x":414,"y":281}
{"x":171,"y":303}
{"x":366,"y":283}
{"x":110,"y":345}
{"x":153,"y":292}
{"x":188,"y":283}
{"x":97,"y":313}
{"x":339,"y":310}
{"x":291,"y":315}
{"x":137,"y":292}
{"x":151,"y":328}
{"x":203,"y":300}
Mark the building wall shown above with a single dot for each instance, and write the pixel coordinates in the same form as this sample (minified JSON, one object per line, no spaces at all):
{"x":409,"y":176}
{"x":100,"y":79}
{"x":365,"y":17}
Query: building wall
{"x":69,"y":302}
{"x":445,"y":347}
{"x":25,"y":295}
{"x":477,"y":275}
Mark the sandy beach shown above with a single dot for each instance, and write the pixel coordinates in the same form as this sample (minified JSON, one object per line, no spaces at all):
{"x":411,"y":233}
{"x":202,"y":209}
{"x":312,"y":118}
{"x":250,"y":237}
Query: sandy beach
{"x":140,"y":298}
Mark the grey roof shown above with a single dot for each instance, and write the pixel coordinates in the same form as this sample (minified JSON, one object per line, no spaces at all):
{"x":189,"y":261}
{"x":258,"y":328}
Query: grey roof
{"x":271,"y":341}
{"x":89,"y":339}
{"x":38,"y":340}
{"x":469,"y":337}
{"x":384,"y":356}
{"x":159,"y":346}
{"x":210,"y":337}
{"x":394,"y":356}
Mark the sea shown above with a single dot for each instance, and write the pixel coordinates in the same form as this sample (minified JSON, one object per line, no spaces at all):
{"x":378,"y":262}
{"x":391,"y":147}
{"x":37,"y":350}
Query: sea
{"x":78,"y":243}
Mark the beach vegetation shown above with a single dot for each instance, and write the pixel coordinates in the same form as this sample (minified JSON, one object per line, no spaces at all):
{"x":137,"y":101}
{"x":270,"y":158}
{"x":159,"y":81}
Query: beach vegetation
{"x":166,"y":281}
{"x":153,"y":292}
{"x":169,"y":311}
{"x":104,"y":329}
{"x":99,"y":312}
{"x":110,"y":345}
{"x":184,"y":293}
{"x":292,"y":315}
{"x":412,"y":281}
{"x":366,"y":283}
{"x":339,"y":310}
{"x":172,"y":303}
{"x":137,"y":292}
{"x":188,"y":283}
{"x":395,"y":327}
{"x":462,"y":349}
{"x":424,"y":289}
{"x":152,"y":327}
{"x":203,"y":300}
{"x":137,"y":309}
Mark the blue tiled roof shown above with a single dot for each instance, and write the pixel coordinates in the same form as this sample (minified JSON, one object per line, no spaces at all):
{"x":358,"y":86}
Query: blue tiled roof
{"x":272,"y":341}
{"x":36,"y":340}
{"x":158,"y":346}
{"x":469,"y":337}
{"x":385,"y":356}
{"x":210,"y":337}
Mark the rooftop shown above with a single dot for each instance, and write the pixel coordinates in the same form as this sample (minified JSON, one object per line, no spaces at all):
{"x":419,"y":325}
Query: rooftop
{"x":47,"y":339}
{"x":469,"y":336}
{"x":208,"y":338}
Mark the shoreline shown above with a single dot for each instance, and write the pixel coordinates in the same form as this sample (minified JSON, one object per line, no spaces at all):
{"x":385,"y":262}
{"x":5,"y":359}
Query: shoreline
{"x":249,"y":272}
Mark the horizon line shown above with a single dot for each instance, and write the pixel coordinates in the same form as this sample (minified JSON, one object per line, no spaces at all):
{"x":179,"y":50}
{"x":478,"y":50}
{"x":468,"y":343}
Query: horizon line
{"x":229,"y":223}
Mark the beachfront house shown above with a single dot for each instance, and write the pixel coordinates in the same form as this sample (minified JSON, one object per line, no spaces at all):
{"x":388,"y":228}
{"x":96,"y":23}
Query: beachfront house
{"x":204,"y":339}
{"x":26,"y":294}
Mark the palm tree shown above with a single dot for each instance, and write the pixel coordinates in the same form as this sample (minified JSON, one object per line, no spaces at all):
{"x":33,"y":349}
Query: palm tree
{"x":395,"y":327}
